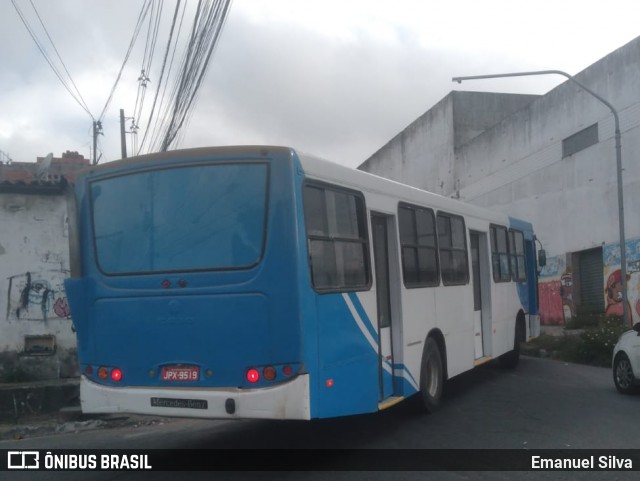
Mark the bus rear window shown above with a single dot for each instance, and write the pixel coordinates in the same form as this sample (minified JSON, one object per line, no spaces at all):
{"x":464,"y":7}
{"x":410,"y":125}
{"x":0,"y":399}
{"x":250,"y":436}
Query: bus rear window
{"x":188,"y":218}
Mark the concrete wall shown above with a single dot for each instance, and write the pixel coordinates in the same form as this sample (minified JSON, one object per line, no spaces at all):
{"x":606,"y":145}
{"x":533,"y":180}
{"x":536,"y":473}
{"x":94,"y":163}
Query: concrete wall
{"x":509,"y":156}
{"x":517,"y":165}
{"x":36,"y":336}
{"x":423,"y":155}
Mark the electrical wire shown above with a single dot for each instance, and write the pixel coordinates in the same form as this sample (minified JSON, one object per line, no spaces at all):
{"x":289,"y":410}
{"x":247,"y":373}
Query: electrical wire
{"x":143,"y":13}
{"x":42,"y":50}
{"x":147,"y":58}
{"x":162,"y":72}
{"x":84,"y":104}
{"x":207,"y":26}
{"x":169,"y":114}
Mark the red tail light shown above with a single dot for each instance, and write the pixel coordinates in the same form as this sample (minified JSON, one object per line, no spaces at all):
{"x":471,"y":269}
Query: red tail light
{"x":271,"y":373}
{"x":253,"y":375}
{"x":116,"y":374}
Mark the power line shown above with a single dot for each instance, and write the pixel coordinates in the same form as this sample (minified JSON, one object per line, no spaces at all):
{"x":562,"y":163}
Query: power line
{"x":42,"y":50}
{"x":147,"y":59}
{"x":59,"y":57}
{"x":169,"y":113}
{"x":207,"y":25}
{"x":162,"y":72}
{"x":143,"y":13}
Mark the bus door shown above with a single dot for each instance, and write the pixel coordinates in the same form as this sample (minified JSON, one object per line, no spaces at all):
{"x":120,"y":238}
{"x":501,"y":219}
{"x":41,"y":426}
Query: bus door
{"x":532,"y":286}
{"x":384,"y":293}
{"x":481,"y":294}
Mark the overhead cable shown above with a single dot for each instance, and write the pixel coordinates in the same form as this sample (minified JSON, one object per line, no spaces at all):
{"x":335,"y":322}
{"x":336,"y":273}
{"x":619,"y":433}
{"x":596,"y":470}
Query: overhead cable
{"x":162,"y":84}
{"x":207,"y":25}
{"x":143,"y":13}
{"x":76,"y":96}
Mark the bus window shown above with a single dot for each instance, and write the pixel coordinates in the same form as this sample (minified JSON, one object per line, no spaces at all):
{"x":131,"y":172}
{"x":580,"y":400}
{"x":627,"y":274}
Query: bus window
{"x":418,"y":242}
{"x":500,"y":254}
{"x":337,"y":239}
{"x":215,"y":219}
{"x":516,"y":249}
{"x":452,"y":244}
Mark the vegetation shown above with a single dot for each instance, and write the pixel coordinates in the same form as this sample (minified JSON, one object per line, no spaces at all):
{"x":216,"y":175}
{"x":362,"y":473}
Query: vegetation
{"x":587,"y":339}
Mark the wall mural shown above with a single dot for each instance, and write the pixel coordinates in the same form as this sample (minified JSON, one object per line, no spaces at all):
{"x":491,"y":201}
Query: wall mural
{"x":550,"y":292}
{"x":38,"y":296}
{"x":555,"y":288}
{"x":613,"y":280}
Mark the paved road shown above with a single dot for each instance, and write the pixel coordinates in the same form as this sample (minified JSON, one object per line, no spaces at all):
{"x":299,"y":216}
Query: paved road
{"x":543,"y":404}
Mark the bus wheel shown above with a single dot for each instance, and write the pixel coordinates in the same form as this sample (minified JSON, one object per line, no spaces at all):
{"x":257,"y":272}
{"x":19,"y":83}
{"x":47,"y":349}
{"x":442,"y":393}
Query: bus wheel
{"x":431,"y":376}
{"x":510,"y":359}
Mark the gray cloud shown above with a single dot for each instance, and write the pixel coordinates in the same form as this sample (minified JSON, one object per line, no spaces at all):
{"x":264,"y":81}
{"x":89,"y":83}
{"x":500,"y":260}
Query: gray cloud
{"x":275,"y":82}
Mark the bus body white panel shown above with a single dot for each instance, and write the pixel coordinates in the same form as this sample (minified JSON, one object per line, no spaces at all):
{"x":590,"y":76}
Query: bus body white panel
{"x":285,"y":401}
{"x":505,"y":312}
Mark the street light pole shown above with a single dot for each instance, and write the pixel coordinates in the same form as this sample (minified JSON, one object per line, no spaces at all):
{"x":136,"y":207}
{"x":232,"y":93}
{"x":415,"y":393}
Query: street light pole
{"x":618,"y":146}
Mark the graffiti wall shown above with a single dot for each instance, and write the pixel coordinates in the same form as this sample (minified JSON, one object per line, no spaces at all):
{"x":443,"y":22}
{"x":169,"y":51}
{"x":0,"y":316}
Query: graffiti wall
{"x":556,"y":286}
{"x":37,"y":339}
{"x":555,"y":292}
{"x":37,"y":296}
{"x":613,"y":280}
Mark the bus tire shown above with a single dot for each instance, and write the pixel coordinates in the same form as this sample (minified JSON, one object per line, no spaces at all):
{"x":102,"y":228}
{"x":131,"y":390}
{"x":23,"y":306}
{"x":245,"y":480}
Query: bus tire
{"x":431,"y":376}
{"x":510,"y":359}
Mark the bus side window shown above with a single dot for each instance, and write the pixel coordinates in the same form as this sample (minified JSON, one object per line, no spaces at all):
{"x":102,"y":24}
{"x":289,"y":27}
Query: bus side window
{"x":500,"y":254}
{"x":336,"y":238}
{"x":452,"y":244}
{"x":516,"y":250}
{"x":419,"y":247}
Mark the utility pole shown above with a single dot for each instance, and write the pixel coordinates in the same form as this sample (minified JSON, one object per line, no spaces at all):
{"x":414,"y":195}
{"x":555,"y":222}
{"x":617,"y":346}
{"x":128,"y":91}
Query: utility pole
{"x":123,"y":140}
{"x":97,"y":130}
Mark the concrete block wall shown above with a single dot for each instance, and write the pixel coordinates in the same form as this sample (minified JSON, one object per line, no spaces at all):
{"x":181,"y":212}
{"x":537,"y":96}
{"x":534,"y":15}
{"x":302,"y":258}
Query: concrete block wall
{"x":37,"y":340}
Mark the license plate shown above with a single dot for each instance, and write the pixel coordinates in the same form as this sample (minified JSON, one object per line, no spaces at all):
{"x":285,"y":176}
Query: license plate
{"x":180,"y":373}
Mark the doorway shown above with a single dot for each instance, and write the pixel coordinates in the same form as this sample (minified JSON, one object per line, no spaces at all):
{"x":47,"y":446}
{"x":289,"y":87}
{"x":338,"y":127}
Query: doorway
{"x":481,"y":293}
{"x":383,"y":275}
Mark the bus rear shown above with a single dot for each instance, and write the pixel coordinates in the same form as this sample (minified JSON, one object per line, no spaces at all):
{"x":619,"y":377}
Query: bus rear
{"x":184,"y":289}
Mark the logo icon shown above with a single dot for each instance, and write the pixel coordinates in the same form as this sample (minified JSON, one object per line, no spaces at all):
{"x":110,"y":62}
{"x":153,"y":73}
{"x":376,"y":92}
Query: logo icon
{"x":23,"y":460}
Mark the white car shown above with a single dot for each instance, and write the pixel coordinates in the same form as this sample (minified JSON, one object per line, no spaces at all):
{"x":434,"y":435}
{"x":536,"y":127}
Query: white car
{"x":626,"y":361}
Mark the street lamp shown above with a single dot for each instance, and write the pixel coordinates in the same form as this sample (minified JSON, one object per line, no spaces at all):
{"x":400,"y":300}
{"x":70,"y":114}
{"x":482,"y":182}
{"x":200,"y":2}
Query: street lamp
{"x":618,"y":146}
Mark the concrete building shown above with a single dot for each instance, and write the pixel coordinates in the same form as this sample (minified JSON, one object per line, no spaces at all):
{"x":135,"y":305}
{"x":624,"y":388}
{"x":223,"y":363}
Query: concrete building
{"x":37,"y":340}
{"x":549,"y":159}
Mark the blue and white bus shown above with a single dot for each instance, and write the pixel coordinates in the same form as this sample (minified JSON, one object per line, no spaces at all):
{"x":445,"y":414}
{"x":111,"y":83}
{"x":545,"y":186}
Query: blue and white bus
{"x":259,"y":282}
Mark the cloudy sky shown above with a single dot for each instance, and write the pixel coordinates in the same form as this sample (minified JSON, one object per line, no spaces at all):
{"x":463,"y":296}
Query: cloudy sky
{"x":336,"y":78}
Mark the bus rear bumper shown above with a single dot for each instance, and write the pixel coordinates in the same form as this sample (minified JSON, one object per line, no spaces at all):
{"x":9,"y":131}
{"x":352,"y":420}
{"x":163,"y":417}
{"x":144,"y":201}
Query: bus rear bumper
{"x":285,"y":401}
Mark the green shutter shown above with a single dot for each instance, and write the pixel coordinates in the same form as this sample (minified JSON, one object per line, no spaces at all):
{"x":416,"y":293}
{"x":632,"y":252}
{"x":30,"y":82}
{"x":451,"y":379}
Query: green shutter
{"x":591,"y":280}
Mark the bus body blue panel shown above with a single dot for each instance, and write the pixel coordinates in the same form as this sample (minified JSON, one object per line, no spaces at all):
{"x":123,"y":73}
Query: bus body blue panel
{"x":341,"y":362}
{"x":186,"y":330}
{"x":527,"y":291}
{"x":348,"y":368}
{"x":221,"y":321}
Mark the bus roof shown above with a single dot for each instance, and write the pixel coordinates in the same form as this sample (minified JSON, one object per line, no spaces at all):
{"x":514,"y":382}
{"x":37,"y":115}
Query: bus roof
{"x":314,"y":167}
{"x":328,"y":171}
